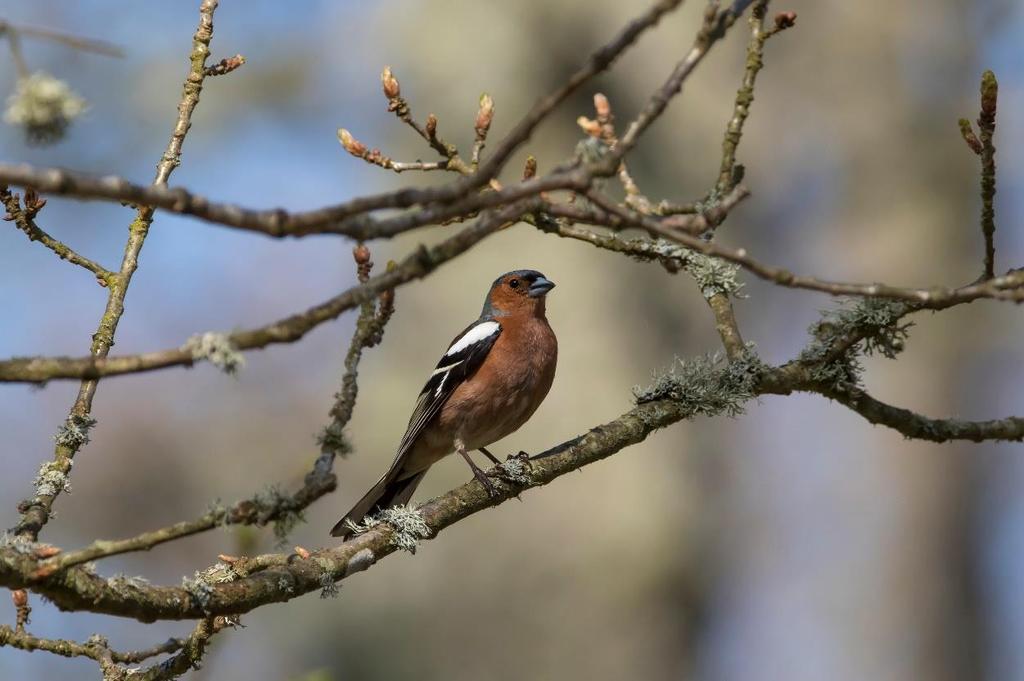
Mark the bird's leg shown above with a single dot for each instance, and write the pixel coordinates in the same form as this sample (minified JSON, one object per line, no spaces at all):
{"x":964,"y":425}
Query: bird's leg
{"x":494,"y":459}
{"x":481,"y":477}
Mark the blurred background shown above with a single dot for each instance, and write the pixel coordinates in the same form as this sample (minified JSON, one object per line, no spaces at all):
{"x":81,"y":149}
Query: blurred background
{"x":794,"y":543}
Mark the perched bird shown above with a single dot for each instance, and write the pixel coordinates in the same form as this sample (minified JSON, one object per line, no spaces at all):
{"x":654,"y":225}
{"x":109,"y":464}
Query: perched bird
{"x":491,"y":379}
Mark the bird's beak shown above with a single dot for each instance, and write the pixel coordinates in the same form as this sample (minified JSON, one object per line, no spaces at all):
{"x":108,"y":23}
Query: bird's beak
{"x":540,"y":287}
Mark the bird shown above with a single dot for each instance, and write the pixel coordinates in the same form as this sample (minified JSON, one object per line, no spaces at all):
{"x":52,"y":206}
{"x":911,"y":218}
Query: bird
{"x":489,"y":382}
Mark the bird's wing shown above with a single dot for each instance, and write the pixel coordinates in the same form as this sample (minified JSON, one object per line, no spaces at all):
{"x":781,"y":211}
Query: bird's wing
{"x":463,"y":357}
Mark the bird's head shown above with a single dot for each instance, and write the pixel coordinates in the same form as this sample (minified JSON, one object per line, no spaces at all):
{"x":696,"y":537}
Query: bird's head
{"x":518,"y":292}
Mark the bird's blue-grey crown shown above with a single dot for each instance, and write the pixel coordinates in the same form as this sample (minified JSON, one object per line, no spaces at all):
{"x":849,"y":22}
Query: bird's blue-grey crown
{"x":536,"y":285}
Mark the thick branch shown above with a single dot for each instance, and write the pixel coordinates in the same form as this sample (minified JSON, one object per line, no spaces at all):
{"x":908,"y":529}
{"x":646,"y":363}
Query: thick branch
{"x":280,"y":577}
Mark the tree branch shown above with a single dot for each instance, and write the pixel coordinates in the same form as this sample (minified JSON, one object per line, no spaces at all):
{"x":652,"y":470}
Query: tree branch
{"x":280,"y":577}
{"x":23,"y":220}
{"x":1009,"y":287}
{"x":987,"y":125}
{"x":36,"y":512}
{"x":290,"y":329}
{"x":263,"y":508}
{"x":72,"y":41}
{"x":918,"y":427}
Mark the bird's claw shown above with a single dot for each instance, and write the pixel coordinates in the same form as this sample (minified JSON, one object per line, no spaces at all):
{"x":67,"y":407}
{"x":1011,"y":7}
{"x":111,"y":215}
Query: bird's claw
{"x":482,"y":478}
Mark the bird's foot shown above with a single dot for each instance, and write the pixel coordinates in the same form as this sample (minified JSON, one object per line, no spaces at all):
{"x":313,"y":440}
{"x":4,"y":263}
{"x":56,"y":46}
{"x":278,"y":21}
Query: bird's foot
{"x":482,"y":478}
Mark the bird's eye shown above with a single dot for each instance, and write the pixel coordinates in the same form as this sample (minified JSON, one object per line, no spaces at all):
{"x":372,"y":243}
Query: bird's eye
{"x":513,"y":283}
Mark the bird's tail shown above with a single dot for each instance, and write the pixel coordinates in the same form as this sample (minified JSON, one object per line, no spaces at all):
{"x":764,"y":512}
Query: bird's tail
{"x":386,"y":493}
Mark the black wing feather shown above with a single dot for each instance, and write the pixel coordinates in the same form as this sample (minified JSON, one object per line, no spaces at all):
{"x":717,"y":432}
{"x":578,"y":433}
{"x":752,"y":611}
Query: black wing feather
{"x":441,"y":385}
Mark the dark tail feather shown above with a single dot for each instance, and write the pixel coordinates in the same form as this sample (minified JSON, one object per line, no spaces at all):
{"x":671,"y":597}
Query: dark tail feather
{"x":385,"y":494}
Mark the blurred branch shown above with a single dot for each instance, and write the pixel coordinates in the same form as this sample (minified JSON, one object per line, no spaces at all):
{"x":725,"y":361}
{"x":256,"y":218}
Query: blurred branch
{"x":67,"y":39}
{"x":17,"y":56}
{"x":36,"y":511}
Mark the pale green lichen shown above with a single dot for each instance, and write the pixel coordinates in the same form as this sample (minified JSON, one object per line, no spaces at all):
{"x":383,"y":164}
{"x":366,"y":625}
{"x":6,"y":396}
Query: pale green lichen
{"x":74,"y":433}
{"x":333,"y":438}
{"x":516,"y":469}
{"x":713,"y":275}
{"x":328,"y":588}
{"x":44,"y":107}
{"x":121,"y":580}
{"x":217,"y":349}
{"x":592,"y":150}
{"x":19,"y":543}
{"x":200,"y":585}
{"x":877,"y":320}
{"x":273,"y":503}
{"x":706,"y":385}
{"x":407,"y":522}
{"x":51,"y":480}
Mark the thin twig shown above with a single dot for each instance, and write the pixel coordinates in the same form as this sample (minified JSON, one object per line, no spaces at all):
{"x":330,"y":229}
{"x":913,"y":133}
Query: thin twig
{"x":716,"y":23}
{"x":17,"y":56}
{"x":94,"y":649}
{"x":728,"y":171}
{"x":25,"y":222}
{"x":599,"y":61}
{"x":987,"y":126}
{"x":72,"y":41}
{"x":1009,"y":287}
